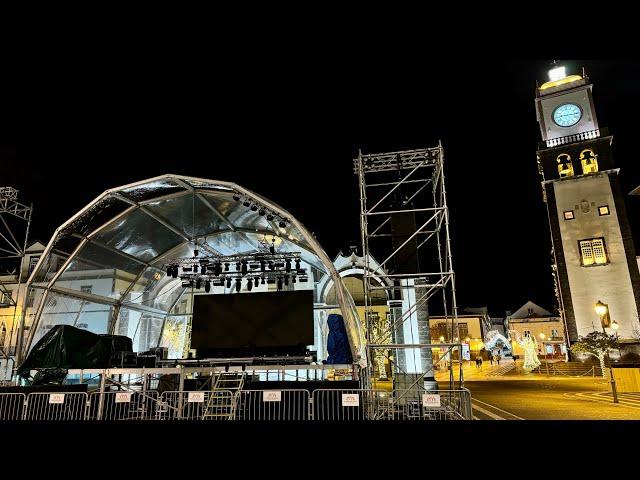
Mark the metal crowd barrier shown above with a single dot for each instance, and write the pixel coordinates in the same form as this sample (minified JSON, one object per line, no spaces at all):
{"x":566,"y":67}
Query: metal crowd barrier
{"x":56,"y":406}
{"x":12,"y":406}
{"x":279,"y":405}
{"x":122,"y":405}
{"x":345,"y":405}
{"x":199,"y":405}
{"x":246,"y":405}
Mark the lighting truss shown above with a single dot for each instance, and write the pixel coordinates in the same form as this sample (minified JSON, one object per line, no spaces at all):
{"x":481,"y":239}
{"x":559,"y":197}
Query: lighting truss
{"x":260,"y":268}
{"x":410,"y":181}
{"x":15,"y":222}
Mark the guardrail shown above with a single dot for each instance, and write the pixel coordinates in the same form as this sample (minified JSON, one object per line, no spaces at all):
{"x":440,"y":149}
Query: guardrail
{"x":246,"y":405}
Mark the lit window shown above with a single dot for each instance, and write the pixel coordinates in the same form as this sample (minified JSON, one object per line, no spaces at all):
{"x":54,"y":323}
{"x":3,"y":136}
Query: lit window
{"x":568,"y":215}
{"x":565,"y":167}
{"x":593,"y":252}
{"x":604,"y":210}
{"x":589,"y":161}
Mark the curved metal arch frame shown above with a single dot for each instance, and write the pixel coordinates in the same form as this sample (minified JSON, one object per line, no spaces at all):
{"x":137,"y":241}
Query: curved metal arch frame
{"x":347,"y":305}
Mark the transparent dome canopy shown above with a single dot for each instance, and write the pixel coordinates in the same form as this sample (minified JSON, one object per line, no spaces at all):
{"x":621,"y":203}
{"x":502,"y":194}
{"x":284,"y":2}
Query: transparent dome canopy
{"x":103,"y":270}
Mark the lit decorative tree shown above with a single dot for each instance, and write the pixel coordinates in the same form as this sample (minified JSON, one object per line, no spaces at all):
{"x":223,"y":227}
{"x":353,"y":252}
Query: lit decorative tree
{"x":596,"y":344}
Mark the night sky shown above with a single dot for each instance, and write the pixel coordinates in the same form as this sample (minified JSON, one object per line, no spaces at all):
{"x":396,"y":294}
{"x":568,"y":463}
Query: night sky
{"x":289,"y":132}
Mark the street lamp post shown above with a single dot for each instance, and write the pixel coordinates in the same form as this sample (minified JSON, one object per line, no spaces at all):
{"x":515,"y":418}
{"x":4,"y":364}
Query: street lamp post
{"x":602,"y":309}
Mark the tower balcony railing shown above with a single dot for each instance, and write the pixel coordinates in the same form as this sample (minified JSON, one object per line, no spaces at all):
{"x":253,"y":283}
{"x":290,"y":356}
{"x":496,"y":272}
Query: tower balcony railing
{"x":576,"y":137}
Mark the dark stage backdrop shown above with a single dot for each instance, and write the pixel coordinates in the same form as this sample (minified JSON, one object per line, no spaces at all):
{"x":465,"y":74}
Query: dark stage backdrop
{"x":272,"y":319}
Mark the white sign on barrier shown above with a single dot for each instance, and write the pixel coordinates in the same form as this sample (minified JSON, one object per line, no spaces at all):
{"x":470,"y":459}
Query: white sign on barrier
{"x":123,"y":397}
{"x":430,"y":400}
{"x":272,"y":396}
{"x":195,"y":397}
{"x":350,"y":400}
{"x":56,"y":398}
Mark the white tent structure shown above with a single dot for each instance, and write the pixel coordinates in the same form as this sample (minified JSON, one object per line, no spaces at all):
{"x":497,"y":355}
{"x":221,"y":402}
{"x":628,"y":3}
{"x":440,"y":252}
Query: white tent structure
{"x":103,"y":269}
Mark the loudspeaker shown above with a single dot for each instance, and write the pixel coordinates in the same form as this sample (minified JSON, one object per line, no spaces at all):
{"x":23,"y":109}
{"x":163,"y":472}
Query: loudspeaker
{"x":403,"y":225}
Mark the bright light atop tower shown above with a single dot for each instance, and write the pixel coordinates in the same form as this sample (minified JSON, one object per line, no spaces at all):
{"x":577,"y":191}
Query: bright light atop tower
{"x":557,"y":73}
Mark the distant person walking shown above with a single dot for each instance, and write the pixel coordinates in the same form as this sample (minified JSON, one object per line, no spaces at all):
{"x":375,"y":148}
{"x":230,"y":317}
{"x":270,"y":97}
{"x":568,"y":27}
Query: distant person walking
{"x":498,"y":358}
{"x":479,"y":362}
{"x":491,"y":357}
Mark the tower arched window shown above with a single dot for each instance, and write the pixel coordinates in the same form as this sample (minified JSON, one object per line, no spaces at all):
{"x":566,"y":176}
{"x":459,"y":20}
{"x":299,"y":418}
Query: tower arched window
{"x":565,"y":167}
{"x":589,"y":161}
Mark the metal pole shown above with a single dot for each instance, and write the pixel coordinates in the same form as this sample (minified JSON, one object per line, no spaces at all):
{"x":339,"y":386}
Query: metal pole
{"x":614,"y":390}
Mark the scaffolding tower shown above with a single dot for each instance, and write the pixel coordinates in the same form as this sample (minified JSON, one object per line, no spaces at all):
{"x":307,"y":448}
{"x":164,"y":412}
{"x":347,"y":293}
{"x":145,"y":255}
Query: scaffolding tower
{"x":15,"y":222}
{"x":409,"y":183}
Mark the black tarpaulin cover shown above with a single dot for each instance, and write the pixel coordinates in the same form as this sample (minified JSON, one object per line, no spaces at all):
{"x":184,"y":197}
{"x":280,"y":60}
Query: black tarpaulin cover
{"x":68,"y":347}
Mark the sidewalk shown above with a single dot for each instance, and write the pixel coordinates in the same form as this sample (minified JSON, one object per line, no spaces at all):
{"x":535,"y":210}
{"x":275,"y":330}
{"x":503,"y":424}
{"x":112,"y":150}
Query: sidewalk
{"x":495,"y":372}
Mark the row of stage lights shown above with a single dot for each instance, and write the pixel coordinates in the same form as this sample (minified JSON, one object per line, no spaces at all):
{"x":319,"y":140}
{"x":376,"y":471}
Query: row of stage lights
{"x":262,"y":211}
{"x":258,"y":269}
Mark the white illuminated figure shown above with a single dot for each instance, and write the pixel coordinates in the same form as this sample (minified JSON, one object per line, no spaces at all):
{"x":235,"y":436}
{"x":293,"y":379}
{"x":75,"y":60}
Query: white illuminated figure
{"x":530,"y":347}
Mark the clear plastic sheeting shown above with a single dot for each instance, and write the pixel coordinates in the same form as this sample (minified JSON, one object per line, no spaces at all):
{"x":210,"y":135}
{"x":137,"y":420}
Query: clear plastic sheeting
{"x":106,"y":267}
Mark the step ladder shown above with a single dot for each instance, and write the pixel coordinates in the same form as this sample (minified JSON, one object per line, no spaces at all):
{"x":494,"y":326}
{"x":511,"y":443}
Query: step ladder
{"x":223,"y":398}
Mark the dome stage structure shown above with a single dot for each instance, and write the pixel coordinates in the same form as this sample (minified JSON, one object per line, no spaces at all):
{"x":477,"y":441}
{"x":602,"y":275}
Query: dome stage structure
{"x":104,"y":269}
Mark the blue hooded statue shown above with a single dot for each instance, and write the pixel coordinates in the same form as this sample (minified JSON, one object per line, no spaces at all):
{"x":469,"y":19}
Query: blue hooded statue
{"x":337,"y":341}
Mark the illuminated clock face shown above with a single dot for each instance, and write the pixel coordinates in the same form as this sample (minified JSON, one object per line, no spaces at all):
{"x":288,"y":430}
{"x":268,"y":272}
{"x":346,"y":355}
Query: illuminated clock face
{"x":567,"y":115}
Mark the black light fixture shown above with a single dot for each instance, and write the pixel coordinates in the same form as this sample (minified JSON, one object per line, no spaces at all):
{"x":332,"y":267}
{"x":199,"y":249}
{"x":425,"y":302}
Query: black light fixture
{"x":228,"y":282}
{"x":226,"y":267}
{"x":236,"y":197}
{"x":238,"y":284}
{"x":187,"y":269}
{"x":207,"y":286}
{"x":262,"y":212}
{"x":293,"y":279}
{"x":249,"y":285}
{"x":281,"y":224}
{"x":263,"y":281}
{"x":286,"y":280}
{"x":287,"y":265}
{"x":297,"y":264}
{"x":256,"y":282}
{"x":244,"y":267}
{"x":238,"y":266}
{"x":254,"y":208}
{"x":272,"y":249}
{"x":269,"y":217}
{"x":203,"y":269}
{"x":246,"y":203}
{"x":279,"y":283}
{"x":198,"y":283}
{"x":262,"y":265}
{"x":196,"y":252}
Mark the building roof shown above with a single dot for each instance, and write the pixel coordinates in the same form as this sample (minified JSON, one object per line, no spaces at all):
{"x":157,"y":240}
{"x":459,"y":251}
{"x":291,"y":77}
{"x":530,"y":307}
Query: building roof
{"x":530,"y":310}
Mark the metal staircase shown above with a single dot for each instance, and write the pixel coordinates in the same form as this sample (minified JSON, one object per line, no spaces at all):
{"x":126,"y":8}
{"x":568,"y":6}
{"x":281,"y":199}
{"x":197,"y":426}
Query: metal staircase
{"x":223,"y":398}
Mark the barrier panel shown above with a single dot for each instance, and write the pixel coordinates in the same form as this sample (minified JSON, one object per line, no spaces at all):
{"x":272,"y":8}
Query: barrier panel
{"x":12,"y":406}
{"x":123,"y":405}
{"x":280,"y":405}
{"x":56,"y":406}
{"x":199,"y":405}
{"x":345,"y":405}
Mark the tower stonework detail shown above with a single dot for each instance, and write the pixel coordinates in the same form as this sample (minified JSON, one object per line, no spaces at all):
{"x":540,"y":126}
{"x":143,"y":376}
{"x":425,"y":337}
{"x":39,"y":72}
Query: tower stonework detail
{"x":593,"y":253}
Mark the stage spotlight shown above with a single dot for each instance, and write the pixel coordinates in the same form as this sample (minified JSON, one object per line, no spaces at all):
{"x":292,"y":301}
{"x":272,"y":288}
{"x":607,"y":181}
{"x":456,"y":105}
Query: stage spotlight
{"x":286,"y":280}
{"x":262,"y":265}
{"x":198,"y":283}
{"x":262,"y":212}
{"x":254,"y":208}
{"x":238,"y":266}
{"x":262,"y":282}
{"x":269,"y":217}
{"x":238,"y":284}
{"x":236,"y":197}
{"x":293,"y":279}
{"x":281,"y":224}
{"x":287,"y":266}
{"x":256,"y":282}
{"x":207,"y":286}
{"x":228,"y":282}
{"x":226,"y":267}
{"x":279,"y":283}
{"x":272,"y":249}
{"x":246,"y":203}
{"x":196,"y":252}
{"x":297,"y":264}
{"x":244,"y":267}
{"x":203,"y":269}
{"x":271,"y":267}
{"x":249,"y":285}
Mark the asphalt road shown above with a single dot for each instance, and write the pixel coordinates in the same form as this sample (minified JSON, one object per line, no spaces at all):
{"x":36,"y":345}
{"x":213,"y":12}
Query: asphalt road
{"x":549,"y":400}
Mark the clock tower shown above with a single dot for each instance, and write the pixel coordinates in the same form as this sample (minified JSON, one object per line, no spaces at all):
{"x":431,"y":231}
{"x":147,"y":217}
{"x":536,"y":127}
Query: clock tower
{"x":593,"y":254}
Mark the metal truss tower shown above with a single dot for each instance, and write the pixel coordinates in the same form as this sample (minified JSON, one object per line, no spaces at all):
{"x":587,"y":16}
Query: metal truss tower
{"x":416,"y":267}
{"x":15,"y":222}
